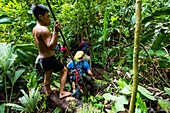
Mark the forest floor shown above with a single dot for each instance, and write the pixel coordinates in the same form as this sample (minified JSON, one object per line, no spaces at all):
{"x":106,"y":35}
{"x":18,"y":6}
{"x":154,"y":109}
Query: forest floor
{"x":152,"y":106}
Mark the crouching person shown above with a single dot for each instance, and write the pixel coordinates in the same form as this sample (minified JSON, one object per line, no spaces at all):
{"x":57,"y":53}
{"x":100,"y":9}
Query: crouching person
{"x":80,"y":74}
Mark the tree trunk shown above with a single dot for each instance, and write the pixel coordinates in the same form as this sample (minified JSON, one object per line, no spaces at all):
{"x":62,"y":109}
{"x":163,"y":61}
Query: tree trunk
{"x":135,"y":55}
{"x":71,"y":104}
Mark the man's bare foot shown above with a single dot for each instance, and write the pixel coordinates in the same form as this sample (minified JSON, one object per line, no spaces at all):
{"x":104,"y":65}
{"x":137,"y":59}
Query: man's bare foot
{"x":48,"y":92}
{"x":54,"y":89}
{"x":64,"y":94}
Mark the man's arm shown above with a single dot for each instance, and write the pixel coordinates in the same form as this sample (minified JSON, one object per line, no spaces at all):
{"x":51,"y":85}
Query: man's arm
{"x":91,"y":74}
{"x":87,"y":66}
{"x":51,"y":40}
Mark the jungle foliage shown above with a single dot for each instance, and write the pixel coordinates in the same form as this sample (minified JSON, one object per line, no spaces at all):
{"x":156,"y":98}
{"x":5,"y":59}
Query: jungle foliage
{"x":109,"y":25}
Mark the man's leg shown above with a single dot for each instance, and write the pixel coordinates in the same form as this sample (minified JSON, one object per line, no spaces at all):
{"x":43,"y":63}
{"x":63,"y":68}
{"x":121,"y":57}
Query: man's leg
{"x":47,"y":76}
{"x":63,"y":82}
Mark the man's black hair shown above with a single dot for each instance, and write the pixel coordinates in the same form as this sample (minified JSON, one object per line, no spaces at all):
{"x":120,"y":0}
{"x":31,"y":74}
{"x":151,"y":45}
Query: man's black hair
{"x":39,"y":9}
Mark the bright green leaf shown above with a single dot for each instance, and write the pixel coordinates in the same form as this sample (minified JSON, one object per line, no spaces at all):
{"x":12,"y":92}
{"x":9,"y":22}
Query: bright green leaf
{"x":167,"y":90}
{"x":2,"y":108}
{"x":160,"y":53}
{"x":16,"y":107}
{"x":165,"y":104}
{"x":146,"y":93}
{"x":120,"y":101}
{"x":108,"y":96}
{"x":17,"y":74}
{"x":126,"y":90}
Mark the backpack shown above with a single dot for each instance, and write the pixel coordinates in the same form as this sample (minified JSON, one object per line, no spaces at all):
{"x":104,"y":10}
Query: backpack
{"x":57,"y":49}
{"x":78,"y":76}
{"x":85,"y":47}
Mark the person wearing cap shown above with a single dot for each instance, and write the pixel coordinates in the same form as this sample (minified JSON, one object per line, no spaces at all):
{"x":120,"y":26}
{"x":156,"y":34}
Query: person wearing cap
{"x":78,"y":59}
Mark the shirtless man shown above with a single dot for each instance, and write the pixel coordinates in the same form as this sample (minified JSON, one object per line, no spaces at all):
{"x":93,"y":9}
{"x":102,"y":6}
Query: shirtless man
{"x":46,"y":43}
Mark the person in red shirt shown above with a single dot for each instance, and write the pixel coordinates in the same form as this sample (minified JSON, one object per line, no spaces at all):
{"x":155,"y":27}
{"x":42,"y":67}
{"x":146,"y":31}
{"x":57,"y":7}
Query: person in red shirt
{"x":64,"y":52}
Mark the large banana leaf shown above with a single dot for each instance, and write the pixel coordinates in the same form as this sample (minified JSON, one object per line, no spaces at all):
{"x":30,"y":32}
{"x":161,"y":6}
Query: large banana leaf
{"x":7,"y":56}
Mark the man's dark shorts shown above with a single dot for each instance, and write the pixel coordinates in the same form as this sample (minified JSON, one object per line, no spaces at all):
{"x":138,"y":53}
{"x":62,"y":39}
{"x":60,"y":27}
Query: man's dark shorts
{"x":51,"y":63}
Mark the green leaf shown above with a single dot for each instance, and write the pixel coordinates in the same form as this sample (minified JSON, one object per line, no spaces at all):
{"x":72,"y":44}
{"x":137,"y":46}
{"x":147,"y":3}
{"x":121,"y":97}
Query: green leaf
{"x":57,"y":84}
{"x":162,"y":11}
{"x":31,"y":23}
{"x":100,"y":106}
{"x":16,"y":107}
{"x":167,"y":90}
{"x":2,"y":108}
{"x":157,"y":44}
{"x":165,"y":104}
{"x":30,"y":101}
{"x":5,"y":20}
{"x":100,"y":39}
{"x":160,"y":53}
{"x":99,"y":97}
{"x":25,"y":98}
{"x":26,"y":47}
{"x":120,"y":101}
{"x":17,"y":74}
{"x":36,"y":97}
{"x":133,"y":19}
{"x":140,"y":105}
{"x":151,"y":52}
{"x":147,"y":36}
{"x":24,"y":56}
{"x":57,"y":110}
{"x":126,"y":90}
{"x":122,"y":83}
{"x":146,"y":93}
{"x":108,"y":96}
{"x":7,"y":56}
{"x":105,"y":27}
{"x":32,"y":81}
{"x":159,"y":12}
{"x":106,"y":77}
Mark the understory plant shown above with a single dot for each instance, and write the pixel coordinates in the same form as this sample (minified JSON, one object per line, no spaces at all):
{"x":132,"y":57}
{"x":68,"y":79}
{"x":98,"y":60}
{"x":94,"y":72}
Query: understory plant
{"x":28,"y":101}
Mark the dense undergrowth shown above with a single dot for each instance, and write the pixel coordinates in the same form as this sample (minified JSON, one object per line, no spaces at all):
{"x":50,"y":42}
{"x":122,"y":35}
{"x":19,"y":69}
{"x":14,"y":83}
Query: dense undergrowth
{"x":109,"y":26}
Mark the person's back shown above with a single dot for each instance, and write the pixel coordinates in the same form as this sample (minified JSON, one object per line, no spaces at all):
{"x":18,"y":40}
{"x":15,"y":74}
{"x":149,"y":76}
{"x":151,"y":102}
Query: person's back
{"x":79,"y":69}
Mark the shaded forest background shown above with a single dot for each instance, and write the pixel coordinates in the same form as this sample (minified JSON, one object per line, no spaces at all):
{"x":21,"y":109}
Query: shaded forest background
{"x":109,"y":26}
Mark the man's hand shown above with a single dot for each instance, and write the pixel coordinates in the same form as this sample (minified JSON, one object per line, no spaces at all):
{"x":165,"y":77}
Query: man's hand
{"x":57,"y":26}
